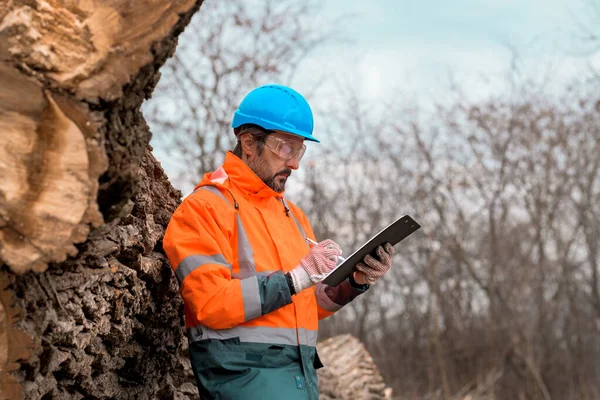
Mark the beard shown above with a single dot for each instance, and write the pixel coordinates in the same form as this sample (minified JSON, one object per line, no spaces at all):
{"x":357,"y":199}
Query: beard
{"x":277,"y":185}
{"x":275,"y":181}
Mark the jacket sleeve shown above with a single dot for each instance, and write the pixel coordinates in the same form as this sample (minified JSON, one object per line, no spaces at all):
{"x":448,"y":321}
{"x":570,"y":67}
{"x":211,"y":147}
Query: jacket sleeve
{"x":197,"y":243}
{"x":329,"y":298}
{"x":332,"y":298}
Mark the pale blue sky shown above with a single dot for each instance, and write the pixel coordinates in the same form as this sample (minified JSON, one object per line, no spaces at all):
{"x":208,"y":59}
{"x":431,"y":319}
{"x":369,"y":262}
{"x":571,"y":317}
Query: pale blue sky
{"x":440,"y":21}
{"x":414,"y":46}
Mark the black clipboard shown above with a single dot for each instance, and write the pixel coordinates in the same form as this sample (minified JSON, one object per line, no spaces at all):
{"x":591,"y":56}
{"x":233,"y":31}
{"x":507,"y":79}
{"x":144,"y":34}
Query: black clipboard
{"x":393,"y":233}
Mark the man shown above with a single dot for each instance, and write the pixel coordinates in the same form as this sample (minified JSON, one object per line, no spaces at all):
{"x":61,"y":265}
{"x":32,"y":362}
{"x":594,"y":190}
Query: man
{"x":249,"y":279}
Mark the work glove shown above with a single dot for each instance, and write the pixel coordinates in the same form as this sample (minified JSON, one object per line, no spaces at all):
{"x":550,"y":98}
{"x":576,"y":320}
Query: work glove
{"x":315,"y":266}
{"x":372,"y":268}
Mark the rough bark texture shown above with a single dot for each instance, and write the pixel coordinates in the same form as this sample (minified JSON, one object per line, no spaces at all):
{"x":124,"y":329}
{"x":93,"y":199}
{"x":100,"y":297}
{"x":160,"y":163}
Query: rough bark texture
{"x":76,"y":167}
{"x":89,"y":307}
{"x":109,"y":322}
{"x":349,"y":373}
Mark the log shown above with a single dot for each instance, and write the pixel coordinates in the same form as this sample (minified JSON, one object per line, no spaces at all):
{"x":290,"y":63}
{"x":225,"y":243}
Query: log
{"x":88,"y":304}
{"x":349,"y":372}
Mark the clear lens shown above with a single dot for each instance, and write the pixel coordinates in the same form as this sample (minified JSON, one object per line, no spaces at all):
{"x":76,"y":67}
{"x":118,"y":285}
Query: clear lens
{"x":286,"y":149}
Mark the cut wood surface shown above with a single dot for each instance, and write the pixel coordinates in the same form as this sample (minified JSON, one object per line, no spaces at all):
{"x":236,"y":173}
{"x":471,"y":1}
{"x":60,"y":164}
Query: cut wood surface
{"x":50,"y":162}
{"x":73,"y":76}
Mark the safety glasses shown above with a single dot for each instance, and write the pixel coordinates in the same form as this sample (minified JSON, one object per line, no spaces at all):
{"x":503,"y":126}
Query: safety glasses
{"x":286,"y":149}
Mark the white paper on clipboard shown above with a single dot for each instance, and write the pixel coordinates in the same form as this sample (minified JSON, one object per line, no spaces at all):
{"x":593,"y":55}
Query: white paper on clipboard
{"x":393,"y":233}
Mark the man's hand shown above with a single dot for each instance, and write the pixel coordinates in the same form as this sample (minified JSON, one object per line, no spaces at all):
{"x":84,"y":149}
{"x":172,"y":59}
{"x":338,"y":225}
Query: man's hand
{"x":313,"y":268}
{"x":370,"y":270}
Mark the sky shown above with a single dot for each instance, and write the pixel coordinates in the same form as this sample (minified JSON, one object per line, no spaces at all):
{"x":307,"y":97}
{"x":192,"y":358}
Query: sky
{"x":414,"y":47}
{"x":417,"y":50}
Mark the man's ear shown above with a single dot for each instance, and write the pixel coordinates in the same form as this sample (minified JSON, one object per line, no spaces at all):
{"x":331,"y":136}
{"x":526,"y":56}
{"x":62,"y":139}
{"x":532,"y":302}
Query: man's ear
{"x":247,"y":141}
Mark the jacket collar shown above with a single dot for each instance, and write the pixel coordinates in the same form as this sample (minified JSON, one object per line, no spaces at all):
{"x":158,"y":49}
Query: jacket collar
{"x":235,"y":172}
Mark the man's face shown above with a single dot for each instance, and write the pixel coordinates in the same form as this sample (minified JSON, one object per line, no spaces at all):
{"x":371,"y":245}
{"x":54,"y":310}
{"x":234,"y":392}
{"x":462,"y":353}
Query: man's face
{"x":280,"y":155}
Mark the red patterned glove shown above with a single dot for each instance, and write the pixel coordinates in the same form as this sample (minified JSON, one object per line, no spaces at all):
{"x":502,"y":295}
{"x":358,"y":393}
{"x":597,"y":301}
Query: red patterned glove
{"x":375,"y":268}
{"x":315,"y":266}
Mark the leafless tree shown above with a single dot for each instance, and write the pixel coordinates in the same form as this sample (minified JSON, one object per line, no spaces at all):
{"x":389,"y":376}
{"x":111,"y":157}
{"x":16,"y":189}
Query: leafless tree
{"x":228,"y":49}
{"x":501,"y":284}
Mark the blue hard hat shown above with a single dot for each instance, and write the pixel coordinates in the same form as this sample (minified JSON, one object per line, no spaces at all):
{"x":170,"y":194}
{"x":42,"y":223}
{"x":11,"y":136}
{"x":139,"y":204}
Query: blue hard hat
{"x":276,"y":108}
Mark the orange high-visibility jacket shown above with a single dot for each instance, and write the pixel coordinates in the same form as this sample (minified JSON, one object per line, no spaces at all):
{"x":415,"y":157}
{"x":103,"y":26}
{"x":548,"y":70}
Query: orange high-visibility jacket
{"x":230,"y":243}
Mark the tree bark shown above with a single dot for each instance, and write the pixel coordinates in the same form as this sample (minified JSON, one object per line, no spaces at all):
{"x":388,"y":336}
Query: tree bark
{"x":88,"y":304}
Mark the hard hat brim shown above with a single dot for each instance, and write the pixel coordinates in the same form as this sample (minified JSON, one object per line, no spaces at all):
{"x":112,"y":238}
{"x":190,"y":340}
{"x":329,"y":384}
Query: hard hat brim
{"x":240,"y":119}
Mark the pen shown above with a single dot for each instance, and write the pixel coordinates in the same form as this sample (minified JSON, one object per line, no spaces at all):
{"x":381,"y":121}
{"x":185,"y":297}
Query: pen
{"x":312,"y":242}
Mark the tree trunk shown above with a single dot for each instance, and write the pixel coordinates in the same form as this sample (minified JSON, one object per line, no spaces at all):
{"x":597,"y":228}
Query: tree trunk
{"x":88,"y":304}
{"x":107,"y":323}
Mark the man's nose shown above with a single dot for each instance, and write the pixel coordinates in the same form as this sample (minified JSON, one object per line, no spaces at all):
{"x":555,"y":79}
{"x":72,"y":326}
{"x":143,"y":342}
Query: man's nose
{"x":293,"y":163}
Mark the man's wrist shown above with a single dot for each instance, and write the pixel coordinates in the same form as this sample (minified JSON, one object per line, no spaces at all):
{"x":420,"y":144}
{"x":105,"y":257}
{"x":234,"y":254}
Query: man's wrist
{"x":300,"y":279}
{"x":356,"y":285}
{"x":290,"y":282}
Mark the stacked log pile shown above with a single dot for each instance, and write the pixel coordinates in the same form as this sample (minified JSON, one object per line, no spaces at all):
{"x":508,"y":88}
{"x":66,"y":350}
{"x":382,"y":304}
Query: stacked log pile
{"x":349,"y":373}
